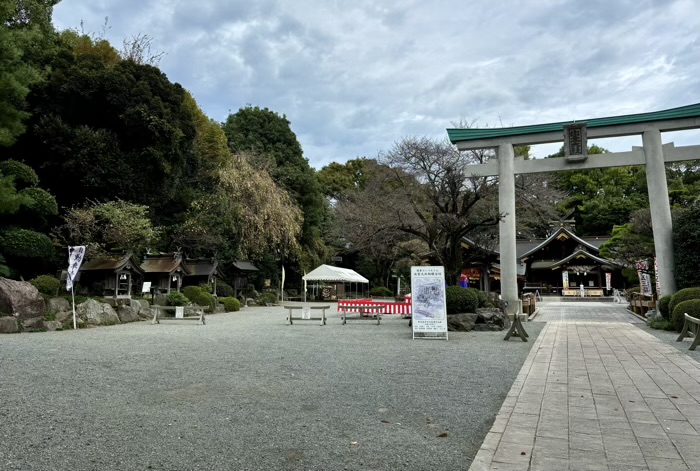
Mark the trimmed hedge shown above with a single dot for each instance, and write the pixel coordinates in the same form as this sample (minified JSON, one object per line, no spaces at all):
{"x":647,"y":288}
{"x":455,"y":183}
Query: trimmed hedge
{"x":25,"y":176}
{"x":199,"y":296}
{"x":23,"y":243}
{"x":482,"y":297}
{"x":41,"y":202}
{"x":460,"y":300}
{"x":47,"y":284}
{"x":663,"y":306}
{"x":686,"y":239}
{"x":230,"y":304}
{"x":683,"y":295}
{"x":176,"y":298}
{"x":224,"y":290}
{"x":266,"y":298}
{"x":690,"y":307}
{"x":381,"y":291}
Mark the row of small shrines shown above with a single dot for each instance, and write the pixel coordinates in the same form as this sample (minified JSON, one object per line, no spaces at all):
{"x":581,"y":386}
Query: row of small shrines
{"x":121,"y":275}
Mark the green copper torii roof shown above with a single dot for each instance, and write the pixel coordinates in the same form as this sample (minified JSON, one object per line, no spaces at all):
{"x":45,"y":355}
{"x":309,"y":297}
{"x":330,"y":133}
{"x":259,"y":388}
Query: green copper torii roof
{"x":457,"y":135}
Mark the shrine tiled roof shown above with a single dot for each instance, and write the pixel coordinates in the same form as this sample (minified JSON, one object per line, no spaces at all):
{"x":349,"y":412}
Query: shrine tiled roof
{"x":163,"y":263}
{"x":201,"y":266}
{"x":112,"y":262}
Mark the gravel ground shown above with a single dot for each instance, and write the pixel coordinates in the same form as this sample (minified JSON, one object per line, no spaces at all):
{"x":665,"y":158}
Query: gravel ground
{"x":246,"y":391}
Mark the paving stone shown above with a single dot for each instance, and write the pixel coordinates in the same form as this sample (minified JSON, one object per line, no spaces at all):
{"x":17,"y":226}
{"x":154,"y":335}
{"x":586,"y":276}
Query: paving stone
{"x":664,"y":464}
{"x":586,"y":442}
{"x":597,"y":393}
{"x":658,"y":448}
{"x":581,"y":425}
{"x":547,"y":463}
{"x":642,"y":430}
{"x":512,"y":453}
{"x":520,"y":435}
{"x":678,"y":426}
{"x":587,"y":461}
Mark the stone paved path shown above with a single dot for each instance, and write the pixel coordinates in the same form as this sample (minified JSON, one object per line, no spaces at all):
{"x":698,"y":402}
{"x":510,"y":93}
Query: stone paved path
{"x":597,"y":393}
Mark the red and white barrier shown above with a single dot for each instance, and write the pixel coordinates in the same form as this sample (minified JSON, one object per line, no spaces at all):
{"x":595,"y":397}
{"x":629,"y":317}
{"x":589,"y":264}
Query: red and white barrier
{"x":403,"y":309}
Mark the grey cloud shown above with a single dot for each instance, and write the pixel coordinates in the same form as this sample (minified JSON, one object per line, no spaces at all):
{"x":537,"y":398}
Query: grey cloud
{"x":353,"y":78}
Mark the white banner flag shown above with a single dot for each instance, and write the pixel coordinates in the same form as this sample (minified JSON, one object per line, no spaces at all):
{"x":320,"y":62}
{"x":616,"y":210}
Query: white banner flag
{"x":75,"y":259}
{"x":656,"y":275}
{"x":645,"y":279}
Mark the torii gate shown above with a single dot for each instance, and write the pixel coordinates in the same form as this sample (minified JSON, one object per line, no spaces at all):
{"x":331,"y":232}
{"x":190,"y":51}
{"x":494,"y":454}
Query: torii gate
{"x":574,"y":133}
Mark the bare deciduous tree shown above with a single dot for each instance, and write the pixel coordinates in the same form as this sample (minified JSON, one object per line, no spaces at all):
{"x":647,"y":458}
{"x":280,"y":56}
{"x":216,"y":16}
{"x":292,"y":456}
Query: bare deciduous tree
{"x":138,"y":49}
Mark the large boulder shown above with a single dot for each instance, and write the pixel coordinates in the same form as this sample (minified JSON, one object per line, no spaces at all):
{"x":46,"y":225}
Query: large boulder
{"x":491,"y":319}
{"x":96,"y":313}
{"x":53,"y":325}
{"x":64,"y":317}
{"x":58,"y":305}
{"x":461,"y":322}
{"x":141,"y":307}
{"x":20,"y":299}
{"x":128,"y":313}
{"x":34,"y":325}
{"x":8,"y":325}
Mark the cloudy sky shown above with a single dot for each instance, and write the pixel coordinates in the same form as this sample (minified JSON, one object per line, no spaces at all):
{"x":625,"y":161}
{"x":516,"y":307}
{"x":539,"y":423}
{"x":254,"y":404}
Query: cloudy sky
{"x":355,"y":76}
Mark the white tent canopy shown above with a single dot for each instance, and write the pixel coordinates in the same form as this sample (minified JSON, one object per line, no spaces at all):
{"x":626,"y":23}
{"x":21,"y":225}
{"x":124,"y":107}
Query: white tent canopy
{"x":335,"y":274}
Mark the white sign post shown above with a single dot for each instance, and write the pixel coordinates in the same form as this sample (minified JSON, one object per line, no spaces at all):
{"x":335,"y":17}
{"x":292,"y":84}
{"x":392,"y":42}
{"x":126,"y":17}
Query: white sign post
{"x":429,"y":302}
{"x":75,"y":259}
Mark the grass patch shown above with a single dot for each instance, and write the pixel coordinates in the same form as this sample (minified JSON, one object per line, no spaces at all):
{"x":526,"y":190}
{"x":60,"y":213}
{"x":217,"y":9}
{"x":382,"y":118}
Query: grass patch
{"x":662,"y":324}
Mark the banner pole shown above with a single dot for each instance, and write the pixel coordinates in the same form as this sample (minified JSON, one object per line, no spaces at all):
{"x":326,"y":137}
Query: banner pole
{"x":72,"y":293}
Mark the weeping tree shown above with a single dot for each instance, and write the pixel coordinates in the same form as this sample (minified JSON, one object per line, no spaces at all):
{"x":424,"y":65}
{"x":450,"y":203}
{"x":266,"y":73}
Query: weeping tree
{"x":246,"y":215}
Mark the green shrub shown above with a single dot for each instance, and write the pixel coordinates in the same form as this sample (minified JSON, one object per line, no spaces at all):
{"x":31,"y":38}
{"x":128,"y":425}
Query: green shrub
{"x":231,"y":304}
{"x":683,"y":295}
{"x":41,"y":202}
{"x":690,"y":307}
{"x":662,"y":324}
{"x":25,"y":176}
{"x":632,"y":290}
{"x":224,"y":290}
{"x":686,"y":256}
{"x":461,"y":300}
{"x":23,"y":243}
{"x":381,"y":291}
{"x":663,"y":306}
{"x":206,"y":287}
{"x":483,"y":299}
{"x":47,"y":284}
{"x":199,"y":296}
{"x":266,"y":298}
{"x":176,"y":298}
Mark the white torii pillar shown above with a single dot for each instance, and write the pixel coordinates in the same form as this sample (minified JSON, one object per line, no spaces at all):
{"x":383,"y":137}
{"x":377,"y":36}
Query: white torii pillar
{"x":506,"y":228}
{"x":660,"y":209}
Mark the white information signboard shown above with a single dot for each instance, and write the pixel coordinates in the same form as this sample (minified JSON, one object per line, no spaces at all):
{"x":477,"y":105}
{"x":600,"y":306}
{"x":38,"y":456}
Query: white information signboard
{"x":429,"y":303}
{"x":306,"y":312}
{"x":179,"y":312}
{"x":565,"y":279}
{"x":146,"y":287}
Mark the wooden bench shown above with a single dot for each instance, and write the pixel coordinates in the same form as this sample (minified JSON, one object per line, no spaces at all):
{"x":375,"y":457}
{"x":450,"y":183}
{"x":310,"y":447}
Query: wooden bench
{"x":364,"y":312}
{"x":690,"y":326}
{"x":291,"y":318}
{"x":197,"y":310}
